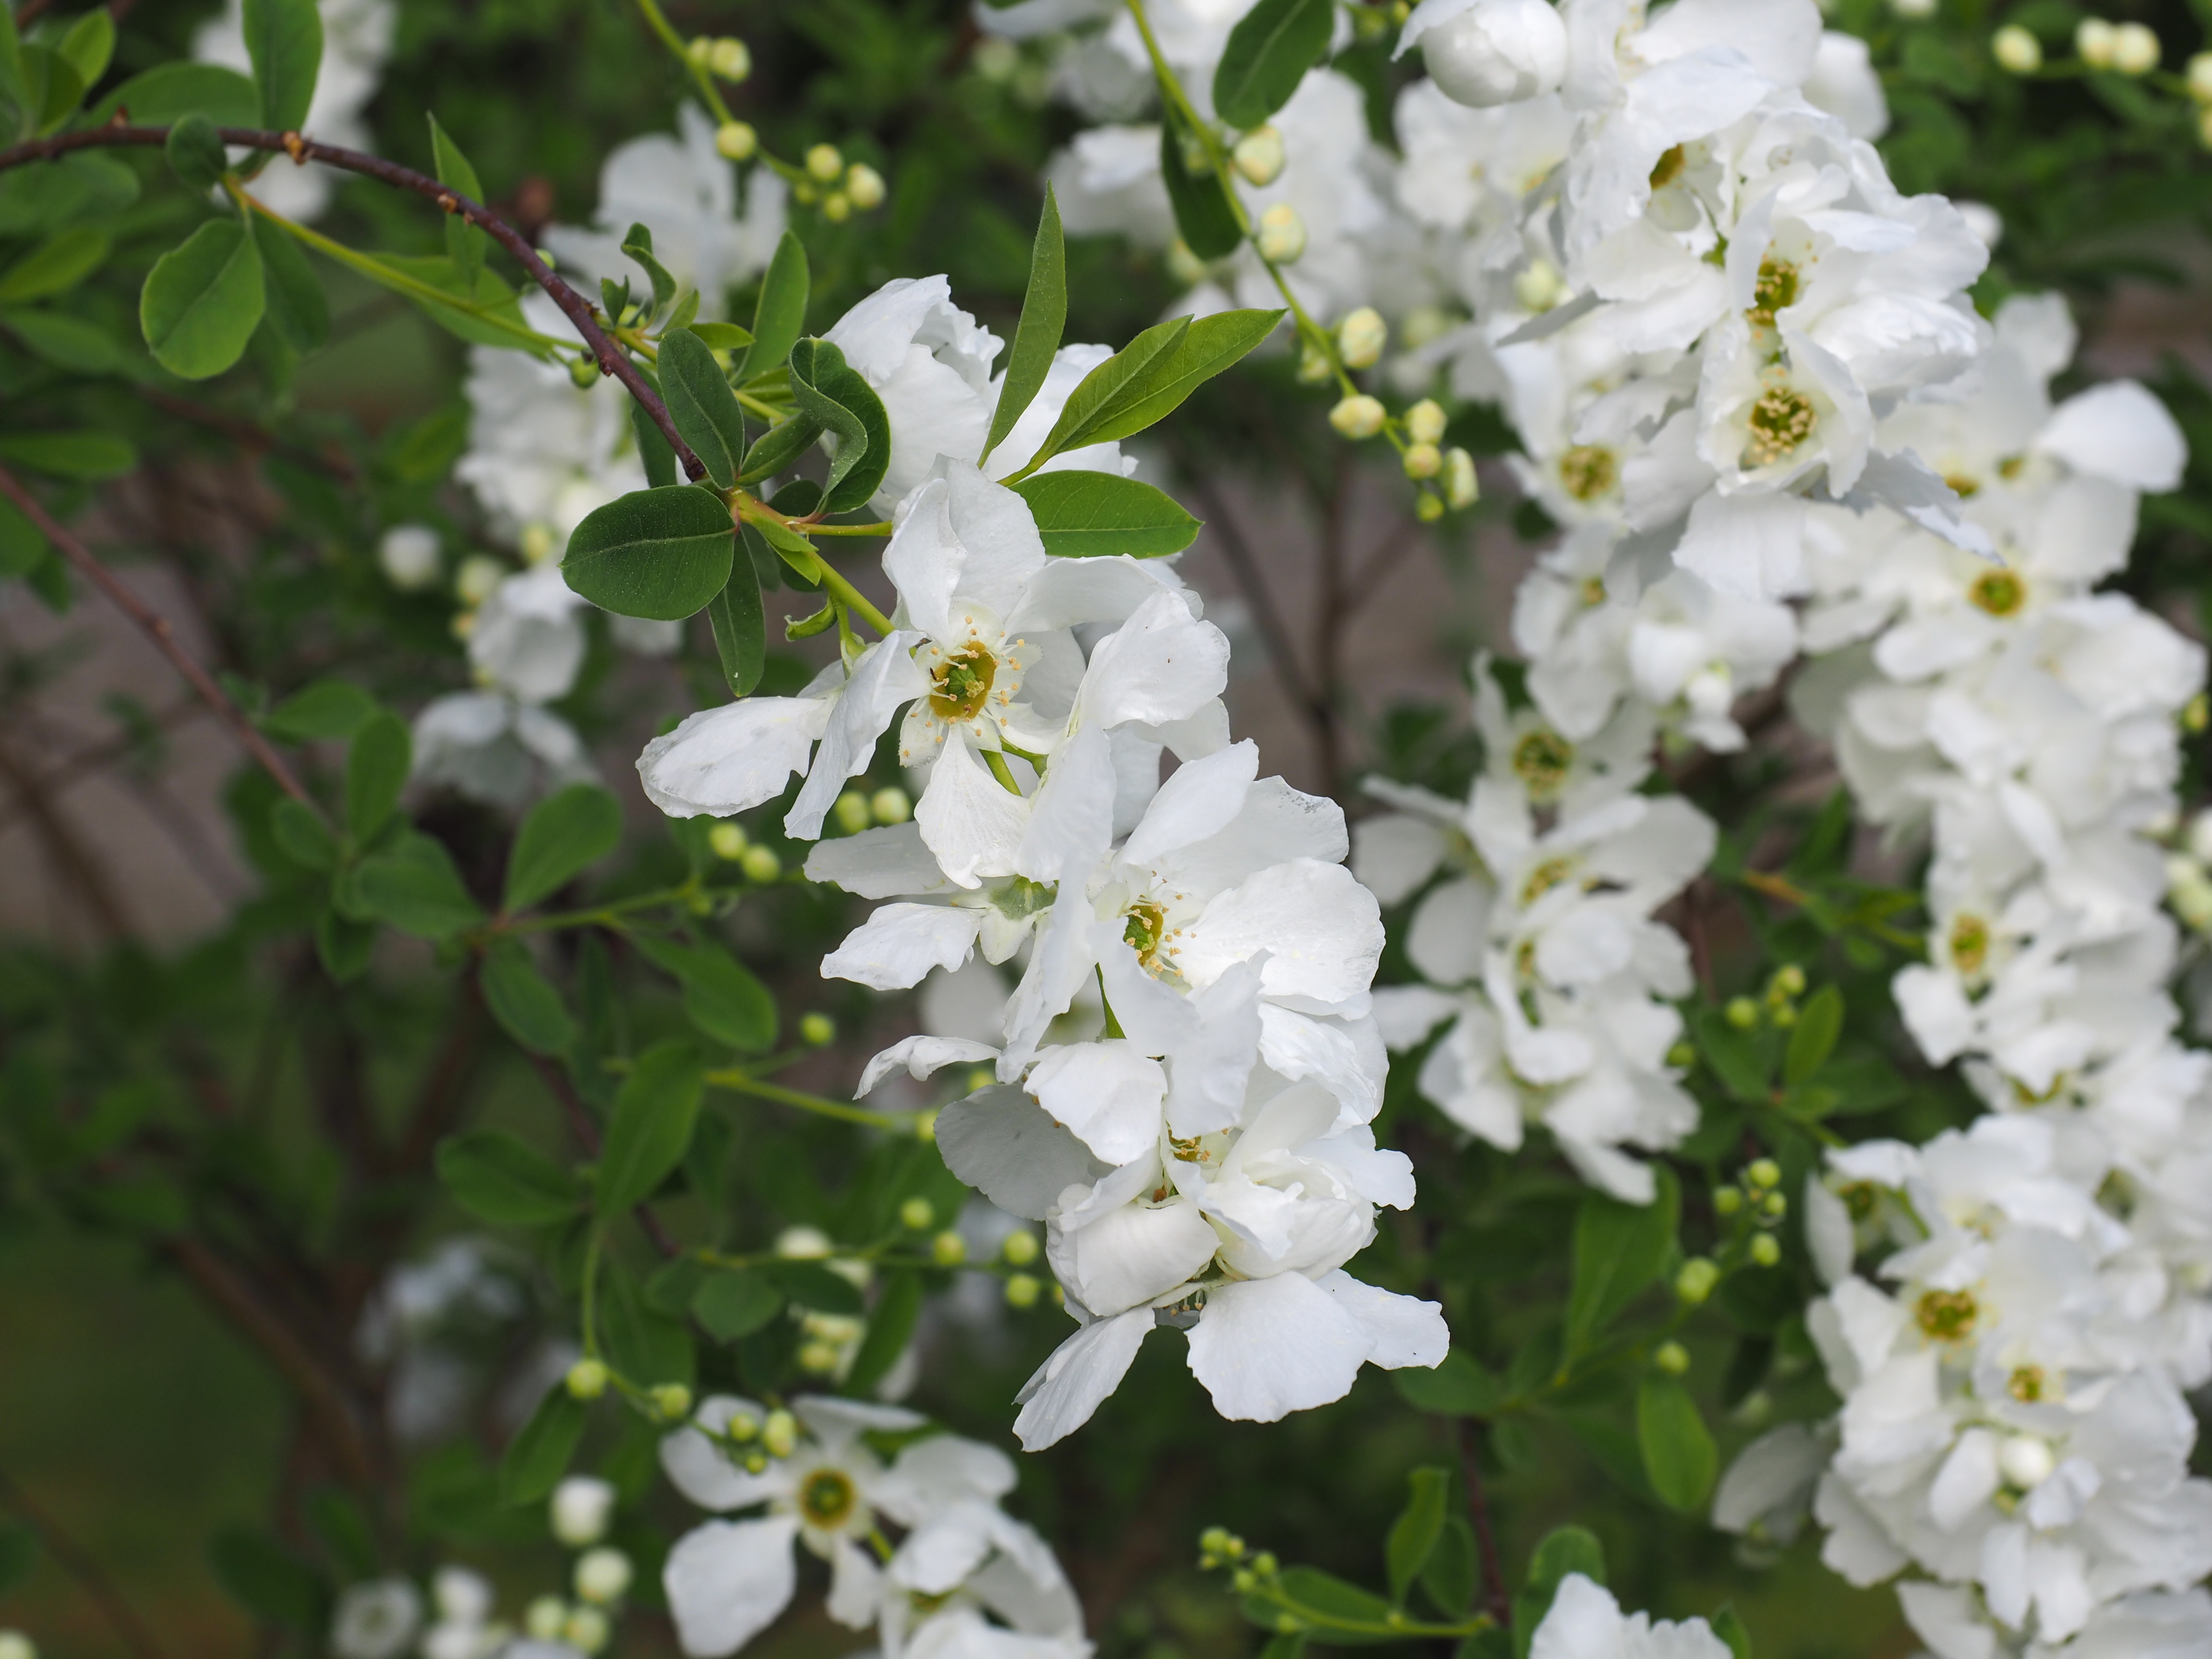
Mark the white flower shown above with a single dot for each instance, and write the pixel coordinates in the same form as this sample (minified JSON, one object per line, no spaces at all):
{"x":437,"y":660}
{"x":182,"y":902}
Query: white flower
{"x":376,"y":1620}
{"x":582,"y":1506}
{"x":930,"y":363}
{"x":496,"y":749}
{"x":528,"y":640}
{"x":1481,"y":53}
{"x":1586,"y":1622}
{"x":410,"y":556}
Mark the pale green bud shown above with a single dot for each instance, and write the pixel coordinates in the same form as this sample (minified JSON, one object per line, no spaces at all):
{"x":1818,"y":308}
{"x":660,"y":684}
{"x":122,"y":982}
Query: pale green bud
{"x":2016,"y":50}
{"x":1462,"y":487}
{"x":1282,"y":234}
{"x":1358,"y":416}
{"x":1425,"y":422}
{"x":803,"y":1244}
{"x":891,"y":805}
{"x":1765,"y":1251}
{"x":586,"y":1630}
{"x":1259,"y":155}
{"x":1424,"y":461}
{"x":2136,"y":49}
{"x":837,"y":207}
{"x":672,"y":1401}
{"x":760,"y":864}
{"x":736,"y":141}
{"x":824,"y":164}
{"x":2094,"y":39}
{"x":1763,"y":1172}
{"x":1020,"y":1247}
{"x":1695,"y":1283}
{"x":602,"y":1574}
{"x":948,"y":1250}
{"x":728,"y":840}
{"x":1361,"y":336}
{"x":1671,"y":1357}
{"x":1742,"y":1013}
{"x":779,"y":1434}
{"x":917,"y":1215}
{"x":865,"y":186}
{"x":479,"y":574}
{"x":1022,"y":1290}
{"x":1727,"y":1200}
{"x":851,"y":812}
{"x":817,"y":1029}
{"x":819,"y":1357}
{"x":587,"y":1379}
{"x":730,"y":59}
{"x":545,"y":1617}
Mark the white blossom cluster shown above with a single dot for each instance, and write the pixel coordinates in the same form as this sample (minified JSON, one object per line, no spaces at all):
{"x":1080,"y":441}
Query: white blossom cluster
{"x":1187,"y":1067}
{"x":964,"y":1581}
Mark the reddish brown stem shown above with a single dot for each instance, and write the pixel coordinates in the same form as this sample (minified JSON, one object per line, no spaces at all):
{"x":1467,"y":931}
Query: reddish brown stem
{"x":1494,"y":1599}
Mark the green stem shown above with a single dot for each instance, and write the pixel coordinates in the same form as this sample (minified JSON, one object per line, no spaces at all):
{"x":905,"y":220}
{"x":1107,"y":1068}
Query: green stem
{"x":591,"y":1288}
{"x":1001,"y":771}
{"x":1396,"y":1626}
{"x":602,"y":915}
{"x":881,"y":528}
{"x":744,"y":1083}
{"x":703,"y":78}
{"x":767,"y":412}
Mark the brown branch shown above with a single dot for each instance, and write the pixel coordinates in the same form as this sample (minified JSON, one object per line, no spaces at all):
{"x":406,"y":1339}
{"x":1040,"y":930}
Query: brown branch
{"x":610,"y":358}
{"x":1274,"y":637}
{"x":66,"y":847}
{"x":1494,"y":1599}
{"x":1330,"y":615}
{"x":156,"y":627}
{"x":80,"y":1564}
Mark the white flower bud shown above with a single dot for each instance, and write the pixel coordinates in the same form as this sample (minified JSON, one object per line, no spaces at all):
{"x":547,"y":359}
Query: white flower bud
{"x":586,"y":1630}
{"x":729,"y":58}
{"x":2026,"y":1461}
{"x":1424,"y":461}
{"x":2200,"y":77}
{"x":803,"y":1244}
{"x":1539,"y":287}
{"x":864,"y":187}
{"x":545,"y":1617}
{"x":2017,"y":51}
{"x":479,"y":574}
{"x":2095,"y":39}
{"x":462,"y":1597}
{"x":1183,"y":266}
{"x":1282,"y":233}
{"x":736,"y":141}
{"x":1361,"y":336}
{"x":582,"y":1506}
{"x":1358,"y":417}
{"x":537,"y":540}
{"x":1460,"y":487}
{"x":602,"y":1575}
{"x":1486,"y":52}
{"x":409,"y":555}
{"x":2136,"y":50}
{"x":824,"y":164}
{"x":779,"y":1434}
{"x":1425,"y":422}
{"x":1259,"y":155}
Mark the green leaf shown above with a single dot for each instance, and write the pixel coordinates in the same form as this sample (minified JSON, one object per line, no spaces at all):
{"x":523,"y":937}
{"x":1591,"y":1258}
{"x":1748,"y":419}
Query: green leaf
{"x":1415,"y":1533}
{"x":1037,"y":336}
{"x":486,"y":312}
{"x":1212,"y":345}
{"x":328,"y":709}
{"x":1619,"y":1249}
{"x":643,"y":1342}
{"x":731,"y":1305}
{"x":284,"y":41}
{"x":1679,"y":1456}
{"x":1563,"y":1552}
{"x":778,"y":447}
{"x":52,"y":85}
{"x":539,"y":1455}
{"x":1741,"y":1063}
{"x":203,"y":301}
{"x":838,"y":399}
{"x":1326,"y":1593}
{"x":891,"y":1327}
{"x":1203,"y":213}
{"x":720,"y":336}
{"x":638,"y":246}
{"x":703,"y":405}
{"x":376,"y":771}
{"x":415,"y":889}
{"x":196,"y":154}
{"x":303,"y":835}
{"x":811,"y":1285}
{"x":721,"y":997}
{"x":297,"y":308}
{"x":19,"y":1554}
{"x":654,"y":1112}
{"x":1084,"y":515}
{"x":1269,"y":52}
{"x":270,"y":1583}
{"x":59,"y":262}
{"x":655,"y":553}
{"x":167,"y":93}
{"x":90,"y":44}
{"x":780,"y":314}
{"x":565,"y":834}
{"x":1449,"y":1578}
{"x":343,"y":945}
{"x":500,"y":1178}
{"x":70,"y":343}
{"x":652,"y":451}
{"x":465,"y":242}
{"x":1813,"y":1039}
{"x":70,"y":454}
{"x":740,"y":625}
{"x":1106,"y":389}
{"x":343,"y":1527}
{"x":1459,"y":1387}
{"x":523,"y":1001}
{"x":1728,"y":1625}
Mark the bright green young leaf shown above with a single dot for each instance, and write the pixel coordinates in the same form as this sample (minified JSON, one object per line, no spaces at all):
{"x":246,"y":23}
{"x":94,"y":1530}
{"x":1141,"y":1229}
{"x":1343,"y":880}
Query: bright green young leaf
{"x":740,"y":625}
{"x":638,"y":246}
{"x":1459,"y":1387}
{"x":838,"y":399}
{"x":661,"y":554}
{"x":654,"y":1114}
{"x":1269,"y":52}
{"x":1415,"y":1533}
{"x":523,"y":1001}
{"x":890,"y":1328}
{"x":328,"y":709}
{"x":203,"y":301}
{"x":415,"y":889}
{"x":720,"y":336}
{"x":721,"y":997}
{"x":1679,"y":1456}
{"x":1037,"y":336}
{"x":1103,"y":514}
{"x":653,"y":452}
{"x":303,"y":836}
{"x":284,"y":42}
{"x":1102,"y":393}
{"x":57,"y":265}
{"x":90,"y":44}
{"x":1813,"y":1039}
{"x":1562,"y":1552}
{"x":564,"y":834}
{"x":465,"y":242}
{"x":703,"y":405}
{"x":500,"y":1178}
{"x":167,"y":93}
{"x":731,"y":1305}
{"x":1213,"y":344}
{"x":196,"y":154}
{"x":70,"y":454}
{"x":70,"y":343}
{"x":1203,"y":213}
{"x":376,"y":771}
{"x":539,"y":1453}
{"x":780,"y":316}
{"x":1619,"y":1249}
{"x":297,"y":307}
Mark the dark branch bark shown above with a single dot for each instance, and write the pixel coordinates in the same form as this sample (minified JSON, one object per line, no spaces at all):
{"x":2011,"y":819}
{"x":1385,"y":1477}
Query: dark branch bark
{"x":1495,"y":1601}
{"x":90,"y":1576}
{"x":65,"y":847}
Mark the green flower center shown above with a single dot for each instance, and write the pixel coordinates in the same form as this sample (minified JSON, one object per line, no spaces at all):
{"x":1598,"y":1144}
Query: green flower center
{"x":1775,"y":290}
{"x":1781,"y":421}
{"x":1542,"y":761}
{"x":1589,"y":470}
{"x":962,"y":684}
{"x":827,"y":1499}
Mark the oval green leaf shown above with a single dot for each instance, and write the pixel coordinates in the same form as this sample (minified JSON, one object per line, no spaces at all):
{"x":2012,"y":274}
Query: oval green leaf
{"x":1102,"y":514}
{"x":661,"y":554}
{"x":203,"y":301}
{"x":1269,"y":52}
{"x":655,"y":1113}
{"x":566,"y":832}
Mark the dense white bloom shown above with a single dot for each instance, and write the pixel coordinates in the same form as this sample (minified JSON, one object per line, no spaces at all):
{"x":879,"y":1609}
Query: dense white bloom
{"x":582,"y":1506}
{"x":497,"y":749}
{"x":376,"y":1620}
{"x":1482,"y":52}
{"x":1586,"y":1622}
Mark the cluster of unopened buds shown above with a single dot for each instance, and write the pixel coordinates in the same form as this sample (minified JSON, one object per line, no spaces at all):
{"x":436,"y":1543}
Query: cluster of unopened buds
{"x":1220,"y":1548}
{"x":1447,"y":476}
{"x":1754,"y":1210}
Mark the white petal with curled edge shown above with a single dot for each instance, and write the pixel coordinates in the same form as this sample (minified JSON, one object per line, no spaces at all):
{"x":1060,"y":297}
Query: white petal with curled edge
{"x":950,"y":1543}
{"x":1406,"y":1014}
{"x":897,"y":947}
{"x":923,"y":1057}
{"x":721,"y":760}
{"x":1394,"y":854}
{"x":1069,"y":592}
{"x":1321,"y":930}
{"x":728,"y":1581}
{"x":1267,"y":1347}
{"x":1344,"y":1057}
{"x":1407,"y":1331}
{"x":856,"y":1586}
{"x":1070,"y":819}
{"x":885,"y":676}
{"x":1108,"y":1095}
{"x":1007,"y":1146}
{"x":970,"y":821}
{"x":890,"y":863}
{"x":1129,"y":1255}
{"x":1160,"y":665}
{"x":1774,"y":1474}
{"x":938,"y":1470}
{"x":925,"y":556}
{"x":2119,"y":431}
{"x":1067,"y":1389}
{"x":1200,"y":799}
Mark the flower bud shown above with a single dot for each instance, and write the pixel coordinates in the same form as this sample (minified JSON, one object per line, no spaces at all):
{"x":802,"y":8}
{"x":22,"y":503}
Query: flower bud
{"x":1671,"y":1357}
{"x":1462,"y":487}
{"x":479,"y":574}
{"x":1425,"y":422}
{"x":1428,"y":507}
{"x":817,"y":1029}
{"x":2026,"y":1461}
{"x":2095,"y":39}
{"x":779,"y":1434}
{"x":736,"y":141}
{"x":742,"y":1426}
{"x":1022,"y":1290}
{"x":410,"y":558}
{"x":1538,"y":286}
{"x":1763,"y":1172}
{"x":760,"y":864}
{"x":582,"y":1506}
{"x":1777,"y":1205}
{"x":803,"y":1244}
{"x":837,"y":207}
{"x":1486,"y":52}
{"x":1183,"y":266}
{"x":817,"y":1357}
{"x":1358,"y":417}
{"x":2200,"y":77}
{"x":544,"y":1618}
{"x":14,"y":1644}
{"x":583,"y":374}
{"x":730,"y":59}
{"x":890,"y":806}
{"x":2017,"y":51}
{"x":1214,"y":1540}
{"x":1259,"y":155}
{"x":728,"y":840}
{"x":1695,"y":1281}
{"x":672,"y":1401}
{"x":1020,"y":1247}
{"x":1314,"y":366}
{"x":851,"y":812}
{"x":1765,"y":1251}
{"x":2136,"y":50}
{"x":865,"y":186}
{"x":1741,"y":1012}
{"x":1682,"y":1056}
{"x":917,"y":1215}
{"x":1424,"y":461}
{"x":602,"y":1574}
{"x":824,"y":164}
{"x":587,"y":1379}
{"x":586,"y":1630}
{"x":1282,"y":235}
{"x":948,"y":1250}
{"x":925,"y":1123}
{"x":1361,"y":336}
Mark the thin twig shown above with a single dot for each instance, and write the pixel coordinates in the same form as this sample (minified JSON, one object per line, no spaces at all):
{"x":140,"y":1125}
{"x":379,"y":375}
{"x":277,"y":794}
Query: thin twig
{"x":1282,"y":656}
{"x":156,"y":627}
{"x":610,"y":357}
{"x":65,"y":847}
{"x":1494,"y":1599}
{"x":90,"y":1576}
